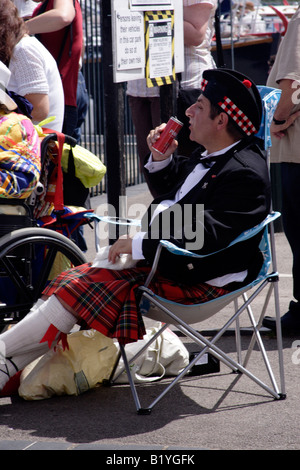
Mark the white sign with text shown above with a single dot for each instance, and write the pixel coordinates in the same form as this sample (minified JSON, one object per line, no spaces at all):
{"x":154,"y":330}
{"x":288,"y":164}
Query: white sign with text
{"x":130,"y":40}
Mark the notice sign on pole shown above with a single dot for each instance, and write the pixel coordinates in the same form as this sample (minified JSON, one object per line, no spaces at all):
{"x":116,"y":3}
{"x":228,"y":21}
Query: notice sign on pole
{"x":159,"y":42}
{"x":147,"y":43}
{"x":130,"y":40}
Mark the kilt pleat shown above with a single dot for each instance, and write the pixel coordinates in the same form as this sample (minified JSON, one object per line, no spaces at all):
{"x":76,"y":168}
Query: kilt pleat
{"x":107,"y":300}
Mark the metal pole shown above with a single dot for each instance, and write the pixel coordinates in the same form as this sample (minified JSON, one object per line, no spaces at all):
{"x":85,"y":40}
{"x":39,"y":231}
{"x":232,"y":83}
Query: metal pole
{"x":114,"y":121}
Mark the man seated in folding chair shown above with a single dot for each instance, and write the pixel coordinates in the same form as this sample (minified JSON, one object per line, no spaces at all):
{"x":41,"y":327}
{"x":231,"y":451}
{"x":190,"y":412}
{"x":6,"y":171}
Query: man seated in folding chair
{"x":229,"y":178}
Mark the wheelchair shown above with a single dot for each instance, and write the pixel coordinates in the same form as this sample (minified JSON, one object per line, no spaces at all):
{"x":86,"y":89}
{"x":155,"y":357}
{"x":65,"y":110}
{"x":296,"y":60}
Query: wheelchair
{"x":36,"y":236}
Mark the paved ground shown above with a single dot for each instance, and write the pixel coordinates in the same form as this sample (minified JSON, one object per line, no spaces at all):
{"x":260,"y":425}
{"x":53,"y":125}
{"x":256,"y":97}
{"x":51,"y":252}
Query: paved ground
{"x":214,"y":412}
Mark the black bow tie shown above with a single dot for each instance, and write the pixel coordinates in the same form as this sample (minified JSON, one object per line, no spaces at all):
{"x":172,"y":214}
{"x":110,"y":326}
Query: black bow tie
{"x":207,"y":161}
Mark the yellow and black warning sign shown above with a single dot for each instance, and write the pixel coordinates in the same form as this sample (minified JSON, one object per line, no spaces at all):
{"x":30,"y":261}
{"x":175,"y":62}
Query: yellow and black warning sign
{"x":159,"y":45}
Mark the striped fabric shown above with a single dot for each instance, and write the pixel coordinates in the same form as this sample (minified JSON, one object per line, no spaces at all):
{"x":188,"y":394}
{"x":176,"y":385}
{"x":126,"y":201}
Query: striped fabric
{"x":19,"y":156}
{"x":237,"y":115}
{"x":106,"y":299}
{"x":234,"y":112}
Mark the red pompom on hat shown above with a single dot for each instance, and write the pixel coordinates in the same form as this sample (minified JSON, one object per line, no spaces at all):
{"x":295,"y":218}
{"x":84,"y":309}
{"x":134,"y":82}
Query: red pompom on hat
{"x":247,"y":83}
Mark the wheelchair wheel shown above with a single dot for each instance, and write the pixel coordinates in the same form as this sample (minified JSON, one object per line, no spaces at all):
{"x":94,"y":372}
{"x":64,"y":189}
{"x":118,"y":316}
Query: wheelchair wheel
{"x":29,"y":259}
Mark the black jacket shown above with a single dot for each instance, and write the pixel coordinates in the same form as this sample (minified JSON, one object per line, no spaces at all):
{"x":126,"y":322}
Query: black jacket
{"x":235,"y":194}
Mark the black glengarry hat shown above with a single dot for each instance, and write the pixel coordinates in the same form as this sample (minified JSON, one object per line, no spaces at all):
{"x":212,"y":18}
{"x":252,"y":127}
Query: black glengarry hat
{"x":236,"y":95}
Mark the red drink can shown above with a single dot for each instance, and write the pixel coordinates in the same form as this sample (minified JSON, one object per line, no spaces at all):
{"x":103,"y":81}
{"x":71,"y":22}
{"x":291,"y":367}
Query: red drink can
{"x":168,"y":135}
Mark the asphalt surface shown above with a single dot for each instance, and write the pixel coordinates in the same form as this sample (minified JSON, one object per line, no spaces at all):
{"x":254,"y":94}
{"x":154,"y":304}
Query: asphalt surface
{"x":220,"y":411}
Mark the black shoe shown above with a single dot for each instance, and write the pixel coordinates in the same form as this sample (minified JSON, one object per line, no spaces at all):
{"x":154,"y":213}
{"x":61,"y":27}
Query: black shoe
{"x":290,"y":322}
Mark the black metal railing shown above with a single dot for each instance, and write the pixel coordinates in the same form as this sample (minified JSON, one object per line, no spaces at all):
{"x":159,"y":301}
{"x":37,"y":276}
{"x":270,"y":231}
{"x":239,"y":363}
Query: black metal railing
{"x":93,"y":136}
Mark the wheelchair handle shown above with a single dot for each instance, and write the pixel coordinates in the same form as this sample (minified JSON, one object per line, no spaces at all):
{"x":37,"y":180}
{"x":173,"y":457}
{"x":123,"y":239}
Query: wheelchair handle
{"x":70,"y":140}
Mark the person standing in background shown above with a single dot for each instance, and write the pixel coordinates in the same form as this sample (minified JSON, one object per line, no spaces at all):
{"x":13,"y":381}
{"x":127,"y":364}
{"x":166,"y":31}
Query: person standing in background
{"x":285,"y":135}
{"x":198,"y":17}
{"x":58,"y":25}
{"x":25,"y":8}
{"x":144,"y":105}
{"x":34,"y":73}
{"x":198,"y":23}
{"x":82,"y":103}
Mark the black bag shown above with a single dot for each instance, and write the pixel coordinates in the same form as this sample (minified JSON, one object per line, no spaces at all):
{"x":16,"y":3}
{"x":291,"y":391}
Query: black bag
{"x":185,"y":99}
{"x":75,"y":193}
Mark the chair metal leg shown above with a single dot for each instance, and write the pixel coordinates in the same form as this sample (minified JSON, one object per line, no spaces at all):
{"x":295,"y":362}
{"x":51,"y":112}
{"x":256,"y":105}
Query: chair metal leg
{"x":238,"y":334}
{"x":279,"y":339}
{"x":242,"y":369}
{"x":256,"y":338}
{"x":277,"y":310}
{"x":209,"y":346}
{"x":139,"y":409}
{"x":144,"y":348}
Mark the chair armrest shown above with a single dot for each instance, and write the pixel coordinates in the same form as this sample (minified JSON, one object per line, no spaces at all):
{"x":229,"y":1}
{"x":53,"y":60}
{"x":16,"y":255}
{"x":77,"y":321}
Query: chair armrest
{"x":120,"y":221}
{"x":246,"y":235}
{"x":114,"y":220}
{"x":240,"y":238}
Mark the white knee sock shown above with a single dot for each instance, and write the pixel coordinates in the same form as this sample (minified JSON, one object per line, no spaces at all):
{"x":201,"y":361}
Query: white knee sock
{"x":21,"y":343}
{"x":16,"y":363}
{"x":27,"y":334}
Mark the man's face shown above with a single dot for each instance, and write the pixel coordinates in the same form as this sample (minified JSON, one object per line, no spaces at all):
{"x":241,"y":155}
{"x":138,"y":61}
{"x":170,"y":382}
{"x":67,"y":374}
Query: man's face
{"x":201,"y":127}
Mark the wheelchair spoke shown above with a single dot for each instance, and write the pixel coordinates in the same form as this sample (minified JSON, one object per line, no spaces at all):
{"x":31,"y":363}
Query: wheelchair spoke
{"x":46,"y":267}
{"x":16,"y":278}
{"x":29,"y":260}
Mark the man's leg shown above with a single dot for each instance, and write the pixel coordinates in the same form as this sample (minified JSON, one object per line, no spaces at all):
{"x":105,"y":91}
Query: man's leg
{"x":27,"y":340}
{"x":290,"y":177}
{"x":82,"y":106}
{"x":145,"y":114}
{"x":70,"y":120}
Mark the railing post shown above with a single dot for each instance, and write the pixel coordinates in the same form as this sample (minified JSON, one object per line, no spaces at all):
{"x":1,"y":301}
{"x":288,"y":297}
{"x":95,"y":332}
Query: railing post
{"x":114,"y":118}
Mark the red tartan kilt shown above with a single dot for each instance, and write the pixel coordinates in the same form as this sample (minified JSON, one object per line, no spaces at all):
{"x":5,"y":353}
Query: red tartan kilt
{"x":105,"y":299}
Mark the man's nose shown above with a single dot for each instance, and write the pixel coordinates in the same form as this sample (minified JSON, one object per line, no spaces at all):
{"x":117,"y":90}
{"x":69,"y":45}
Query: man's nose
{"x":189,"y":111}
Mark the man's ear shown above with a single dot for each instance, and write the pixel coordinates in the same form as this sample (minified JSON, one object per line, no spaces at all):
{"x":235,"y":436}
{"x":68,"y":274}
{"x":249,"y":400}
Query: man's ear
{"x":222,"y":120}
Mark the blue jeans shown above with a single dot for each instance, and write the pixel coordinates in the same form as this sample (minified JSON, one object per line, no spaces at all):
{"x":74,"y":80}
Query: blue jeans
{"x":82,"y":106}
